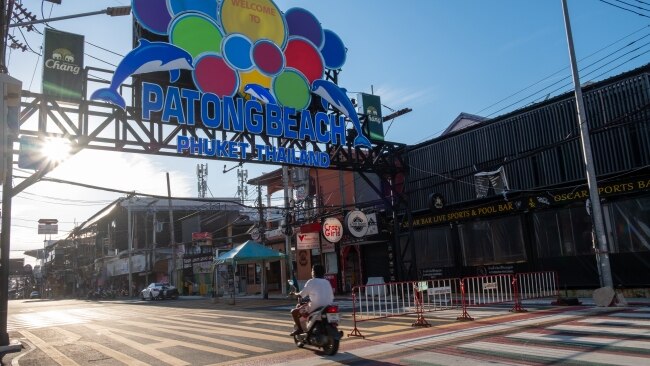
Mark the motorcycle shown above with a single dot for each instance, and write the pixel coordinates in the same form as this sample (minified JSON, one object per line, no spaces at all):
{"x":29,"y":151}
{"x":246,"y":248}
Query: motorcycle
{"x":320,"y":326}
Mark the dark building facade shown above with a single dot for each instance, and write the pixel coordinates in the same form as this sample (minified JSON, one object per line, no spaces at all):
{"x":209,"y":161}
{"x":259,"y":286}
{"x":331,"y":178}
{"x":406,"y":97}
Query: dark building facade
{"x":509,"y":194}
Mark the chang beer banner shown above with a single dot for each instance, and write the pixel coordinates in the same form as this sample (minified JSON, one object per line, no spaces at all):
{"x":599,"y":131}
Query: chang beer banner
{"x":64,"y":64}
{"x":370,"y":106}
{"x":255,"y":69}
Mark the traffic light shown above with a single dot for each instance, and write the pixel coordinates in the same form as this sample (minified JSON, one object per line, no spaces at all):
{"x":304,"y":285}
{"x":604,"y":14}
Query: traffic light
{"x":9,"y":119}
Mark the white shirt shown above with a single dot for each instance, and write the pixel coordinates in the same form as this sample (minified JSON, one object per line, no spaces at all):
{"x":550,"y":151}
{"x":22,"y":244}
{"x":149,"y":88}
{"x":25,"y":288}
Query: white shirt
{"x":319,"y":291}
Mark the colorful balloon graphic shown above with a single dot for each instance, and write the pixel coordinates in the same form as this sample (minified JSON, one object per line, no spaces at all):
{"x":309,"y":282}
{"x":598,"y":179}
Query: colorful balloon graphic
{"x":303,"y":56}
{"x":213,"y":75}
{"x":237,"y":51}
{"x":206,"y":7}
{"x":237,"y":43}
{"x":302,"y":23}
{"x":196,"y":34}
{"x":333,"y":50}
{"x":291,"y":89}
{"x":256,"y":20}
{"x":152,"y":15}
{"x":268,"y":57}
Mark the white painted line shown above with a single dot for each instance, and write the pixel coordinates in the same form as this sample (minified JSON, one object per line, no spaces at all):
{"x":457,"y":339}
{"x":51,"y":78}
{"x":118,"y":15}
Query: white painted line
{"x":603,"y":330}
{"x":582,"y":340}
{"x":49,"y":350}
{"x":457,"y":334}
{"x":636,"y":322}
{"x":562,"y":356}
{"x":442,"y":359}
{"x":634,"y":315}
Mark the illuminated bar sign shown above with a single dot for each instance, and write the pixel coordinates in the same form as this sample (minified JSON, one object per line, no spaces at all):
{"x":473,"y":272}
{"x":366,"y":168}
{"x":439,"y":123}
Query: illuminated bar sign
{"x":255,"y":70}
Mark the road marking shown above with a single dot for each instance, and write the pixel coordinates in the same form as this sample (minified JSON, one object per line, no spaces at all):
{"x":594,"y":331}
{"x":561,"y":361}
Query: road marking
{"x":603,"y":330}
{"x":636,"y":322}
{"x":634,"y":315}
{"x":125,"y":359}
{"x":246,"y":329}
{"x":583,"y":340}
{"x":49,"y":350}
{"x":464,"y":333}
{"x":144,"y":348}
{"x":182,"y":331}
{"x":529,"y":352}
{"x":443,"y":359}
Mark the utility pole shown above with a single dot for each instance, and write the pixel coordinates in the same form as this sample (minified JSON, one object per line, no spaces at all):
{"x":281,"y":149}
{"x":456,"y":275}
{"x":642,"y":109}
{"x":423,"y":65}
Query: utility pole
{"x":260,"y":210}
{"x":602,"y":252}
{"x":130,"y":243}
{"x":172,"y":240}
{"x":287,"y":233}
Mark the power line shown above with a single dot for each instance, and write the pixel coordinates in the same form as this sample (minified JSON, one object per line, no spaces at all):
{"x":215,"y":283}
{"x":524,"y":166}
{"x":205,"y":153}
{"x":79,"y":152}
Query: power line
{"x":562,"y":70}
{"x":632,"y":5}
{"x":620,"y":7}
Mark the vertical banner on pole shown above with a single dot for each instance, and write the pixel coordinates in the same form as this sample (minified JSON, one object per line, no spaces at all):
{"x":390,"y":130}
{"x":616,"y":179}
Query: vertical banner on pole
{"x":63,"y":66}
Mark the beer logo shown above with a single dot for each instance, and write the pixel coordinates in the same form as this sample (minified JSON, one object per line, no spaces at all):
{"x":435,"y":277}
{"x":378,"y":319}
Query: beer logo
{"x":63,"y":60}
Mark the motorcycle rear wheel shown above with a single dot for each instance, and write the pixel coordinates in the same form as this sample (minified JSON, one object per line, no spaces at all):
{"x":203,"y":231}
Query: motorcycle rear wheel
{"x":331,"y":347}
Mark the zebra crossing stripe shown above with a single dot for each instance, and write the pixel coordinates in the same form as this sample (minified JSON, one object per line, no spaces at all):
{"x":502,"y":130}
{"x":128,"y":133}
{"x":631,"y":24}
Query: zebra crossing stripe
{"x":583,"y":341}
{"x":443,"y":359}
{"x":634,"y":315}
{"x":635,"y":322}
{"x":630,"y":332}
{"x":561,"y":356}
{"x":49,"y":350}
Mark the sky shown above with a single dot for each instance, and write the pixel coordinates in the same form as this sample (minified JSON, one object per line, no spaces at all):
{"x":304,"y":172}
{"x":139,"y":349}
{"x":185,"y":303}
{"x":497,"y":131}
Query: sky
{"x":438,"y":57}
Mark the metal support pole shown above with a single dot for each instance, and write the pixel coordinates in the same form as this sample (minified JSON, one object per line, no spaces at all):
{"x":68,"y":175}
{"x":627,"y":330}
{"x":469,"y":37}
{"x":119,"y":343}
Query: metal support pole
{"x":287,"y":237}
{"x":172,"y":239}
{"x":602,"y":251}
{"x":130,"y":241}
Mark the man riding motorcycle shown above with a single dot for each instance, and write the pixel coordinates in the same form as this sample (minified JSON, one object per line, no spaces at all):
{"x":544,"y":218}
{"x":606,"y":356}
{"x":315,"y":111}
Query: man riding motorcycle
{"x":320,"y":294}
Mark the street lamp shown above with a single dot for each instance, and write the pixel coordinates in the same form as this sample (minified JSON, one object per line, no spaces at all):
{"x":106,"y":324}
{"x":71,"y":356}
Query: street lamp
{"x":112,"y":11}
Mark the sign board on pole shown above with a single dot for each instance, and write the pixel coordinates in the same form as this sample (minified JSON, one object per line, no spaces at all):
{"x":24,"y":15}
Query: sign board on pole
{"x":332,"y":229}
{"x":63,"y":66}
{"x":306,"y":241}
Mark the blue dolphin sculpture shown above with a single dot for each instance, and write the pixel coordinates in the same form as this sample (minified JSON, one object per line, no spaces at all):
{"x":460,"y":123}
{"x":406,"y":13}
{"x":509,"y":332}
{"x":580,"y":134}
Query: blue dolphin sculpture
{"x":260,"y":93}
{"x":337,"y":98}
{"x":147,"y":57}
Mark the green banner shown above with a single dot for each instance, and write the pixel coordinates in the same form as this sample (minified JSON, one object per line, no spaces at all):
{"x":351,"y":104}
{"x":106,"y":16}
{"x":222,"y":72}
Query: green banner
{"x":63,"y":66}
{"x":371,"y":108}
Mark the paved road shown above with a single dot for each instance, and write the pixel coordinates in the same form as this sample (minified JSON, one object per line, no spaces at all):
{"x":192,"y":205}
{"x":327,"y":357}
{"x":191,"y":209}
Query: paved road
{"x":254,"y":332}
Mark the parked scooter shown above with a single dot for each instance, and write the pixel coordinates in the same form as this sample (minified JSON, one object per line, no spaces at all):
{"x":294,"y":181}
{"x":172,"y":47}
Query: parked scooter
{"x":321,"y":327}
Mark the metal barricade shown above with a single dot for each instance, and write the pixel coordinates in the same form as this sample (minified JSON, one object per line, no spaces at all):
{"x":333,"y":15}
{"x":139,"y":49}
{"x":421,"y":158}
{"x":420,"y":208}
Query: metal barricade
{"x":443,"y":294}
{"x":534,"y":285}
{"x":485,"y":290}
{"x":392,"y":299}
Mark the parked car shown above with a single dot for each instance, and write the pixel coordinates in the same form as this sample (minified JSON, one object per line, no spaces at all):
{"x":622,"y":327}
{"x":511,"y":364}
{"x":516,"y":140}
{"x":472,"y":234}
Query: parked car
{"x":158,"y":290}
{"x":35,"y":295}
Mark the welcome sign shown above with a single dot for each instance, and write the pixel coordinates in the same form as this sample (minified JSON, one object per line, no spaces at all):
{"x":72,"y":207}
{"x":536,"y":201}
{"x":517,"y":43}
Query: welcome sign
{"x":255,"y":70}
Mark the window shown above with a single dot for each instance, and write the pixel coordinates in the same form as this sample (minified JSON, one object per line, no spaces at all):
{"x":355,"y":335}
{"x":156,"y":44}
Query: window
{"x":628,"y":225}
{"x":433,"y":248}
{"x":492,"y":241}
{"x":564,"y":232}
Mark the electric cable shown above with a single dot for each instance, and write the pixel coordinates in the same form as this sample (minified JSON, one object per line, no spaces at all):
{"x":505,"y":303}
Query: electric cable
{"x":620,"y":7}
